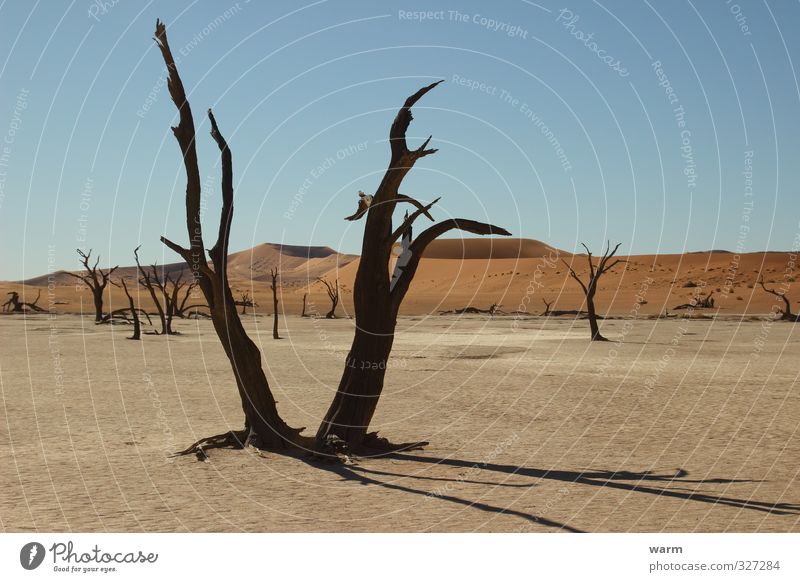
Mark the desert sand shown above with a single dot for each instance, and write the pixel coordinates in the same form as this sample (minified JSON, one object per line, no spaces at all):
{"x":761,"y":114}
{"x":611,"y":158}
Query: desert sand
{"x":678,"y":425}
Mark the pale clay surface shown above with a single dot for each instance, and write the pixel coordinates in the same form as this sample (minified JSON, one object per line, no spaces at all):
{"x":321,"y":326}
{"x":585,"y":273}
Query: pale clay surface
{"x":89,"y":451}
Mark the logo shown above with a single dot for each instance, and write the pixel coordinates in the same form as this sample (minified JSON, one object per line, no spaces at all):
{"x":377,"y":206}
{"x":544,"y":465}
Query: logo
{"x":31,"y":555}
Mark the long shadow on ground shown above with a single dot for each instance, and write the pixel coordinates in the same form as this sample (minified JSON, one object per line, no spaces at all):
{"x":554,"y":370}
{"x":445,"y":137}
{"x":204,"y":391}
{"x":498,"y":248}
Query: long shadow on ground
{"x":646,"y":482}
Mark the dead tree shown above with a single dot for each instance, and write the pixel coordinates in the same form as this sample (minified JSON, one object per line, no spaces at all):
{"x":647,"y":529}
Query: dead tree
{"x":245,"y":301}
{"x":303,"y":314}
{"x":377,"y":298}
{"x":706,"y":302}
{"x":546,"y":307}
{"x":137,"y":326}
{"x":146,"y":280}
{"x":786,"y":313}
{"x":95,"y":279}
{"x":274,"y":286}
{"x":590,"y":288}
{"x":14,"y":305}
{"x":333,"y":294}
{"x":180,"y":307}
{"x":263,"y":426}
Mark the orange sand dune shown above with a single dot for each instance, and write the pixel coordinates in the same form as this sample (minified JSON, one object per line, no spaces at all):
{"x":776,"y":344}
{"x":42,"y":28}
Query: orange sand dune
{"x":515,"y":273}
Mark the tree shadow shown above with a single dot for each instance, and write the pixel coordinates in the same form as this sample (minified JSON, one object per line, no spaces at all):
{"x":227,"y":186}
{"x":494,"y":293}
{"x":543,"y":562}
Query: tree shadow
{"x":358,"y":475}
{"x":615,"y":480}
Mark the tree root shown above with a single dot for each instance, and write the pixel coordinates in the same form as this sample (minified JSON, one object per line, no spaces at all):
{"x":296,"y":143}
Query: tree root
{"x":376,"y":444}
{"x":233,"y":439}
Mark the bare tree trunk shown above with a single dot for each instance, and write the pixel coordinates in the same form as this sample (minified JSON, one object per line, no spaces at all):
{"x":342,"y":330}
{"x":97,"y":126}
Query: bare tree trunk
{"x":377,"y":299}
{"x":137,"y":327}
{"x":303,"y":314}
{"x":595,"y":329}
{"x":274,"y":274}
{"x":590,"y":288}
{"x":147,"y":282}
{"x":263,"y":424}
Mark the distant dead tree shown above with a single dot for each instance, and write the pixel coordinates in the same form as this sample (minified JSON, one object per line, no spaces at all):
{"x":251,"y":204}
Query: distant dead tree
{"x":377,"y":298}
{"x":134,"y":311}
{"x":95,"y":279}
{"x":333,"y":294}
{"x":706,"y":302}
{"x":590,"y":288}
{"x":546,"y":307}
{"x":786,"y":313}
{"x":146,"y":279}
{"x":245,"y":301}
{"x":180,"y":307}
{"x":14,"y":305}
{"x":303,"y":314}
{"x":274,"y":286}
{"x":263,"y":425}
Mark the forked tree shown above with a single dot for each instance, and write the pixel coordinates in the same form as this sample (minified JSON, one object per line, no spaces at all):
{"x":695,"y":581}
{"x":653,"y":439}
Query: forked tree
{"x":332,"y":289}
{"x":786,"y":313}
{"x":95,"y":279}
{"x":274,"y":286}
{"x":377,"y":298}
{"x":146,"y":280}
{"x":263,"y":425}
{"x":590,"y":288}
{"x":245,"y":301}
{"x":137,"y":326}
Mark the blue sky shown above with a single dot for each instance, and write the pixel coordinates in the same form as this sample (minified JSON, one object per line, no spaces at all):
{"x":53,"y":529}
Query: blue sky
{"x":543,"y":129}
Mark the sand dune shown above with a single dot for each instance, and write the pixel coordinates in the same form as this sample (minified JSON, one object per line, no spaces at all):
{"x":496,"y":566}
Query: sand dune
{"x":515,"y":273}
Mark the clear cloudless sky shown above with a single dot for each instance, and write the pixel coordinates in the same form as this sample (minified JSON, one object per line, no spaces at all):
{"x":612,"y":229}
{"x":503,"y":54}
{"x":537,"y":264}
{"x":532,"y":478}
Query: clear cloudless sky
{"x":541,"y":128}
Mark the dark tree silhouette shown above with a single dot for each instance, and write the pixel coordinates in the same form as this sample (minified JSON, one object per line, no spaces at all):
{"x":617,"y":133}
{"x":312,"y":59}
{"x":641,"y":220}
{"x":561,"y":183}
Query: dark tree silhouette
{"x":95,"y":279}
{"x":590,"y":288}
{"x":263,"y":425}
{"x":14,"y":305}
{"x":303,"y":314}
{"x":546,"y":307}
{"x":137,"y":326}
{"x":245,"y":301}
{"x":180,"y":308}
{"x":786,"y":313}
{"x":333,"y":294}
{"x":146,"y":279}
{"x":377,"y":299}
{"x":274,"y":286}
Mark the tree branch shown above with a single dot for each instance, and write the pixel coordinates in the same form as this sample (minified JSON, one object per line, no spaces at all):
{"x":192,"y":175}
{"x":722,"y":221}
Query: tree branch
{"x":410,"y":220}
